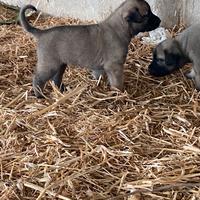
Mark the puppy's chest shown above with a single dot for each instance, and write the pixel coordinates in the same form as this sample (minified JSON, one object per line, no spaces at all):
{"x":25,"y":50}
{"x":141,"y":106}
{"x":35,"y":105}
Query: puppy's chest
{"x":88,"y":55}
{"x":84,"y":58}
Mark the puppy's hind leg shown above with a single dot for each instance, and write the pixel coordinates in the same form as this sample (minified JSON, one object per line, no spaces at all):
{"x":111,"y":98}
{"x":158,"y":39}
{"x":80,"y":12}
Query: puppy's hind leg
{"x":42,"y":75}
{"x":57,"y":78}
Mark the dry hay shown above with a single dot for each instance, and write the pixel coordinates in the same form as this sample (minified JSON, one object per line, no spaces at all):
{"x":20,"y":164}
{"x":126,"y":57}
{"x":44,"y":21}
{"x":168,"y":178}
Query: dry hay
{"x":93,"y":143}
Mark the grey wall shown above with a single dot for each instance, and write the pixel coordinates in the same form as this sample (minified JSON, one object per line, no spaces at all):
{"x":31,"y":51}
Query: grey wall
{"x":82,"y":9}
{"x":191,"y":11}
{"x":170,"y":11}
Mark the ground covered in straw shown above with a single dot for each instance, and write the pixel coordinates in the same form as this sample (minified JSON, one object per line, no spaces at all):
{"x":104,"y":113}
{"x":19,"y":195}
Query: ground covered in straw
{"x":90,"y":142}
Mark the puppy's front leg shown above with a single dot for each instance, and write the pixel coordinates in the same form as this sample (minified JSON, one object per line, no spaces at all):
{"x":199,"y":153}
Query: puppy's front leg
{"x":115,"y":73}
{"x":97,"y":73}
{"x":196,"y":71}
{"x":197,"y":81}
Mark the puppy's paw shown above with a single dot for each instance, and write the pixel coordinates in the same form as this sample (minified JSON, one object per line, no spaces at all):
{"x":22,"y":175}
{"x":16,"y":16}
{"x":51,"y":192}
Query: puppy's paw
{"x":96,"y":74}
{"x":38,"y":93}
{"x":190,"y":75}
{"x":118,"y":88}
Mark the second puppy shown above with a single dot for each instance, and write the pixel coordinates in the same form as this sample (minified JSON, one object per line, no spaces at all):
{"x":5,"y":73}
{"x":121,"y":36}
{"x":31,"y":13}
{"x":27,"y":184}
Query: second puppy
{"x":172,"y":54}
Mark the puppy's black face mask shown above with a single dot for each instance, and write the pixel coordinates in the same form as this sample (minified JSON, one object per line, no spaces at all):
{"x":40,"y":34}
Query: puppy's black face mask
{"x":167,"y":58}
{"x":164,"y":66}
{"x":153,"y":22}
{"x":141,"y":18}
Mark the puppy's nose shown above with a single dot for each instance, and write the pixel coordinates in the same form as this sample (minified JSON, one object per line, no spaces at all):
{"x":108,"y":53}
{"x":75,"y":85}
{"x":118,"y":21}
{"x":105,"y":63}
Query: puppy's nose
{"x":157,"y":20}
{"x":150,"y":69}
{"x":153,"y":22}
{"x":158,"y":71}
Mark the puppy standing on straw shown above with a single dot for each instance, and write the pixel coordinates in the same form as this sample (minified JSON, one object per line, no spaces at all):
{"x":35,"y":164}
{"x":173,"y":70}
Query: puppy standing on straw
{"x":100,"y":47}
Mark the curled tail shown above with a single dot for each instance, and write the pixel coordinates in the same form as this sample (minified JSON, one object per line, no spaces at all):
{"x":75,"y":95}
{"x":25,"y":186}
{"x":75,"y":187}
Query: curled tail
{"x":24,"y":22}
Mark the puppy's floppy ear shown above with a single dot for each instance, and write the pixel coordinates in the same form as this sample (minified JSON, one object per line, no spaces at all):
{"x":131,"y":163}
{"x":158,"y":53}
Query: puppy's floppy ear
{"x":135,"y":16}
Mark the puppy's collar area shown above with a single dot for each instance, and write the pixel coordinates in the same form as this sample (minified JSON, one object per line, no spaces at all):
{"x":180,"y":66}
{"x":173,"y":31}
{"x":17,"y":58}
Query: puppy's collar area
{"x":183,"y":51}
{"x":124,"y":33}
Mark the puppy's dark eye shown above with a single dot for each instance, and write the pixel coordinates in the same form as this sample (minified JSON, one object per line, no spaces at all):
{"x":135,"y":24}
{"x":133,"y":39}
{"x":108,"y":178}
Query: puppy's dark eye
{"x":136,"y":9}
{"x":147,"y":15}
{"x":144,"y":15}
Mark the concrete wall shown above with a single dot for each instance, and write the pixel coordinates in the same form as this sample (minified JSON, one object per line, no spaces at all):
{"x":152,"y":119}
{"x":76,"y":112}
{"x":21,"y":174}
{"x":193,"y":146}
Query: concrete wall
{"x":170,"y":11}
{"x":191,"y":11}
{"x":82,"y":9}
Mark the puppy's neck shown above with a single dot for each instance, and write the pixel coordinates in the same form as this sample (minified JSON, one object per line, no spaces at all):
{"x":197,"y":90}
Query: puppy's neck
{"x":118,"y":25}
{"x":183,"y":48}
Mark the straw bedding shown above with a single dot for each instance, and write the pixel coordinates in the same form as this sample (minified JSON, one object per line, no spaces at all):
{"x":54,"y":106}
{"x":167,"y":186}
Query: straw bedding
{"x":91,"y":142}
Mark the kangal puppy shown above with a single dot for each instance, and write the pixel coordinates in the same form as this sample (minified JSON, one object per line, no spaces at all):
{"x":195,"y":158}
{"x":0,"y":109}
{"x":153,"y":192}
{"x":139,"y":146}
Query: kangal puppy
{"x":100,"y":47}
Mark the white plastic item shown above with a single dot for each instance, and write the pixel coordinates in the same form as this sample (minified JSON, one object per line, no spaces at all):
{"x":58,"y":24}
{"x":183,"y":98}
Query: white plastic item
{"x":156,"y":36}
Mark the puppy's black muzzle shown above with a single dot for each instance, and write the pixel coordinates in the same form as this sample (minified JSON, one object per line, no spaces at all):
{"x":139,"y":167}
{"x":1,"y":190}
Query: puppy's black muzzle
{"x":153,"y":22}
{"x":156,"y":70}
